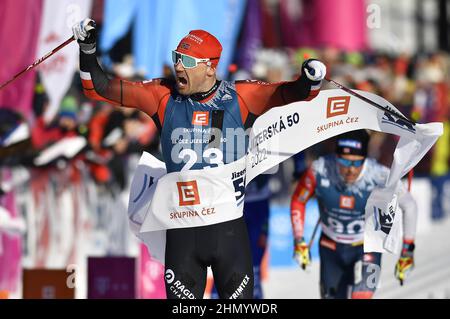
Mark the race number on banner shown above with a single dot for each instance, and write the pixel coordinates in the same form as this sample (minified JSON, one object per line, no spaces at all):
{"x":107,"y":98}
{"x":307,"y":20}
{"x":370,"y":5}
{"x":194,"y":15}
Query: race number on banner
{"x":182,"y":199}
{"x":287,"y":130}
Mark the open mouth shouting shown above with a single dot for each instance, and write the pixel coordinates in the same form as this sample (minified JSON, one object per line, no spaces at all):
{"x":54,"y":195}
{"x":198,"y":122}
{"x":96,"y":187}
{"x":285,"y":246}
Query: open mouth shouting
{"x":182,"y":82}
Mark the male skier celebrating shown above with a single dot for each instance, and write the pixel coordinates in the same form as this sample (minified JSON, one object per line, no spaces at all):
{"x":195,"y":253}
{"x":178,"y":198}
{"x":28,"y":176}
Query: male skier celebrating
{"x":198,"y":101}
{"x":342,"y":182}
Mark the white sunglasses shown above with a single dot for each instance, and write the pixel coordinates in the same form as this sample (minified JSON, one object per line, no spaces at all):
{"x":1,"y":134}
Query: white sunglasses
{"x":188,"y":61}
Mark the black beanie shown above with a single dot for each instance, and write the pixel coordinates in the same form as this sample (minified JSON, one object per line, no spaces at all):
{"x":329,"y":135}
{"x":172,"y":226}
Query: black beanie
{"x":353,"y":143}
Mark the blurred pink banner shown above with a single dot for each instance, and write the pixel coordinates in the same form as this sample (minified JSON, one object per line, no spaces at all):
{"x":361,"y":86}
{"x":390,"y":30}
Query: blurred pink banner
{"x":19,"y":28}
{"x":341,"y":24}
{"x":11,"y":247}
{"x":151,"y":276}
{"x":322,"y":23}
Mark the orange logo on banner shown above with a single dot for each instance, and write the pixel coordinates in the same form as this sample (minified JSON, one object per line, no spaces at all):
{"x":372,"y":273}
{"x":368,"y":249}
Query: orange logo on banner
{"x":337,"y":105}
{"x":347,"y":202}
{"x":188,"y":193}
{"x":200,"y":118}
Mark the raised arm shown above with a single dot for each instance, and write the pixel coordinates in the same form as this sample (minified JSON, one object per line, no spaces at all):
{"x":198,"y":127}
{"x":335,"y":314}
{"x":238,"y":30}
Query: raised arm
{"x":257,"y":97}
{"x":145,"y":96}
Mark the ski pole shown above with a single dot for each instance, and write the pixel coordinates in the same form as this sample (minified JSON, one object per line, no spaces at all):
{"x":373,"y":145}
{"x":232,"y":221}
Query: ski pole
{"x":38,"y":61}
{"x":384,"y":108}
{"x":316,"y":227}
{"x":311,"y":241}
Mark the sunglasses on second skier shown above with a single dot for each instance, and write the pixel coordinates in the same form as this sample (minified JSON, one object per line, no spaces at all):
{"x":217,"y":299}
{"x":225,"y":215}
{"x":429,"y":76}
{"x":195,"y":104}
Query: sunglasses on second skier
{"x":347,"y":163}
{"x":188,"y":61}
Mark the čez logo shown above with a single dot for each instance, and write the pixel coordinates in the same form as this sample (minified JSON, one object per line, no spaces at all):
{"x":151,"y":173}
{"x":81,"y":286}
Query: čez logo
{"x":188,"y":193}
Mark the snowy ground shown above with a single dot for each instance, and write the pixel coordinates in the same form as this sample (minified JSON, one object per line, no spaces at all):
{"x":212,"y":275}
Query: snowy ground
{"x":430,"y":279}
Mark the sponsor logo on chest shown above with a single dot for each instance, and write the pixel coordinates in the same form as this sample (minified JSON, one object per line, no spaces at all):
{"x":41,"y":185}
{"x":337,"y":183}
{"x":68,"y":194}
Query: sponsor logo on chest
{"x":200,"y":118}
{"x":346,"y":202}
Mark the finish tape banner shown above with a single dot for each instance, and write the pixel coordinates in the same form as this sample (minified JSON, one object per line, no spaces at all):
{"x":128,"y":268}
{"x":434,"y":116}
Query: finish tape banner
{"x":276,"y":136}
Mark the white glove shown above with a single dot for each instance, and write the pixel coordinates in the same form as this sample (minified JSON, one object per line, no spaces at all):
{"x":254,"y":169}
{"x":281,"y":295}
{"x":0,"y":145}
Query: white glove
{"x":314,"y":70}
{"x":81,"y":29}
